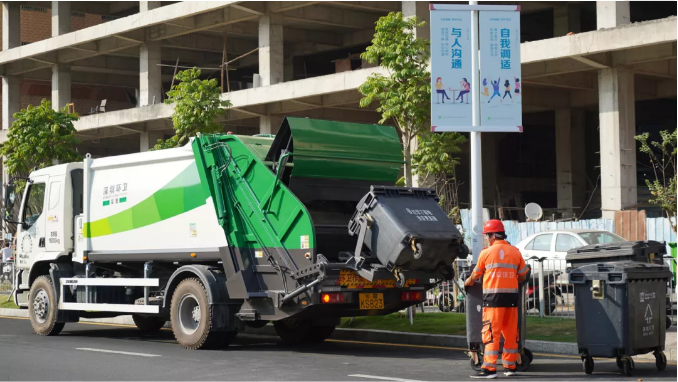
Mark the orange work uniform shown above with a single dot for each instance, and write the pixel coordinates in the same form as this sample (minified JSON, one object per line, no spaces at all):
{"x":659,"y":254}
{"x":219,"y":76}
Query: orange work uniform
{"x":501,"y":265}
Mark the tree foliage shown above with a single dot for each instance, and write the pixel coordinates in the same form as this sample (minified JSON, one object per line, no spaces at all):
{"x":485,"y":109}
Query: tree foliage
{"x":196,"y":106}
{"x":662,"y":155}
{"x":38,"y":137}
{"x":404,"y":95}
{"x":435,"y":160}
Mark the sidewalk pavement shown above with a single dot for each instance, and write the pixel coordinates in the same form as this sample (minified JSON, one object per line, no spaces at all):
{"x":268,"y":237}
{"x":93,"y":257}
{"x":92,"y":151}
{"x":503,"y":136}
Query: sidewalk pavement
{"x":387,"y":336}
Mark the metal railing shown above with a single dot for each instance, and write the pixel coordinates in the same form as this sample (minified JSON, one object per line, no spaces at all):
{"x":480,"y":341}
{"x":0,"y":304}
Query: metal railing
{"x":548,"y":293}
{"x":7,"y":277}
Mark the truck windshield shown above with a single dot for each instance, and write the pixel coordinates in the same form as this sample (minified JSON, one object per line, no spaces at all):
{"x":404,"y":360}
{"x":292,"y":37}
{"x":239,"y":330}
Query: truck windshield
{"x":600,"y":238}
{"x":35,"y":202}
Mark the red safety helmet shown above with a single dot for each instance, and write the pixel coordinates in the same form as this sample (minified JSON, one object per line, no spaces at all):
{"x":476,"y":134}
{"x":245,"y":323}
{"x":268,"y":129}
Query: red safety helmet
{"x":493,"y":226}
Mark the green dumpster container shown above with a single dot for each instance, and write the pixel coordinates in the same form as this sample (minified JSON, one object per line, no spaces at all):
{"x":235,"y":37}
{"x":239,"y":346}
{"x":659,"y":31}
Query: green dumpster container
{"x":673,"y":263}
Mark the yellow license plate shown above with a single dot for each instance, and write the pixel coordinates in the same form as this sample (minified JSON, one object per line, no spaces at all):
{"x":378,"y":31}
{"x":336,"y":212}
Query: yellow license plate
{"x":369,"y":301}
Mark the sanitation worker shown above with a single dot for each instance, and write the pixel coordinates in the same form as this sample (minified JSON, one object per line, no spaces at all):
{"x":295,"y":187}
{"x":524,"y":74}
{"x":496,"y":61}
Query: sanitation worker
{"x":503,"y":268}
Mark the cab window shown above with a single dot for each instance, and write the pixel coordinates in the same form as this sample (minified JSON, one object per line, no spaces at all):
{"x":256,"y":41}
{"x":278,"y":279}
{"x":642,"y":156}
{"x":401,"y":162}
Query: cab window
{"x":35,"y":201}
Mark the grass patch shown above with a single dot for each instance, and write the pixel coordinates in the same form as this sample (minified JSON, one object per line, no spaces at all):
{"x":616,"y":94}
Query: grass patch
{"x":543,"y":329}
{"x":7,"y":304}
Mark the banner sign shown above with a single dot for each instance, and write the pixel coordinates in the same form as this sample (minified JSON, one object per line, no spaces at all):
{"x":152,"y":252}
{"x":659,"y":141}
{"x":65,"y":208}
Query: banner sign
{"x":500,"y":86}
{"x":500,"y":97}
{"x":451,"y":63}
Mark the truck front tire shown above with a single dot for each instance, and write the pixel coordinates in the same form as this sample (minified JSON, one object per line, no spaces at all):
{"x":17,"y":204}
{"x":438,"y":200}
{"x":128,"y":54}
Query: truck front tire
{"x":42,"y":307}
{"x":148,"y":323}
{"x":191,"y":318}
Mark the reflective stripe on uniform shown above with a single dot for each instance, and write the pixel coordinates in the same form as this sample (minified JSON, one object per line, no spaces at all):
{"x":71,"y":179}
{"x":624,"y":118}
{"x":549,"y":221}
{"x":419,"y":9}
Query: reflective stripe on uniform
{"x":508,"y":363}
{"x":476,"y":270}
{"x":501,"y":265}
{"x":514,"y":351}
{"x":485,"y":364}
{"x":500,"y":290}
{"x":491,"y":352}
{"x":521,"y":271}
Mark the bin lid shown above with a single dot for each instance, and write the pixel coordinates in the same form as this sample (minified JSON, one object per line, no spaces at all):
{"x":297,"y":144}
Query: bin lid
{"x":624,"y":249}
{"x":631,"y":270}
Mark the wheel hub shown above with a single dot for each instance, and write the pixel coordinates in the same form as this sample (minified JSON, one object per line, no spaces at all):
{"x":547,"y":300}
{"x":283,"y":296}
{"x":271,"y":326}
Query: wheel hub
{"x":41,"y":306}
{"x":189,"y":314}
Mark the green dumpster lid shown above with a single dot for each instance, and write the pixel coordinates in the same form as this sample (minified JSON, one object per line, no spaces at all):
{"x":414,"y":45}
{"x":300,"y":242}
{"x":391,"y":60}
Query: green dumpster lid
{"x":339,"y":150}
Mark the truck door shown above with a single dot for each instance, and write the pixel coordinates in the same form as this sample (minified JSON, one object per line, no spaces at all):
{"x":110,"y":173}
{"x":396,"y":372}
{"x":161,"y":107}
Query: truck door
{"x":31,"y":234}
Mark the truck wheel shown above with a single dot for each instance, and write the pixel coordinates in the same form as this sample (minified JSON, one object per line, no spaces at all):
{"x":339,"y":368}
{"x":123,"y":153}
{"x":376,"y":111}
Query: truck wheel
{"x":148,"y":323}
{"x":320,"y":333}
{"x":293,"y":331}
{"x":42,"y":308}
{"x":191,"y":318}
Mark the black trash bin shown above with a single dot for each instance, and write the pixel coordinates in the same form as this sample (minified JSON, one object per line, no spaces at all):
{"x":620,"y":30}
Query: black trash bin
{"x":641,"y":251}
{"x":619,"y":308}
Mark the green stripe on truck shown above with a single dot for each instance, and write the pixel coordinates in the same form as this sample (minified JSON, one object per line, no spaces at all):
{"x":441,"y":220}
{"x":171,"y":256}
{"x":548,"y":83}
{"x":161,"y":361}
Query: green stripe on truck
{"x":181,"y":194}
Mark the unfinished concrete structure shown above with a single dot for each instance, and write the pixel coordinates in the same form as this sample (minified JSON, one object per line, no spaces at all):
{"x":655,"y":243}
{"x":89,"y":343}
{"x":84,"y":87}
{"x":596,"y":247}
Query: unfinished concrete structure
{"x":587,"y":70}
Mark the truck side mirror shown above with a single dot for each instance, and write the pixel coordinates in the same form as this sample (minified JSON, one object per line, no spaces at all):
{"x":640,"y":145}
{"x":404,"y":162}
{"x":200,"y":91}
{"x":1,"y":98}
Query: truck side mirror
{"x":10,"y":195}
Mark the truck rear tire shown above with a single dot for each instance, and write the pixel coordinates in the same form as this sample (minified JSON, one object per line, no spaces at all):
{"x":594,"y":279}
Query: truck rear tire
{"x":148,"y":323}
{"x":191,"y":318}
{"x":294,"y":332}
{"x":42,"y":307}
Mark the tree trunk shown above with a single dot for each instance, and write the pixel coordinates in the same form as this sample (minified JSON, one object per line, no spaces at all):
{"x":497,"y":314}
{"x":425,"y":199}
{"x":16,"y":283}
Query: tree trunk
{"x":408,"y":165}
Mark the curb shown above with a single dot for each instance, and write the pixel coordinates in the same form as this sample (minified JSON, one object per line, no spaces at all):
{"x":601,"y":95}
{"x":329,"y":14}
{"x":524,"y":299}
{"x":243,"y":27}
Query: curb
{"x":381,"y":336}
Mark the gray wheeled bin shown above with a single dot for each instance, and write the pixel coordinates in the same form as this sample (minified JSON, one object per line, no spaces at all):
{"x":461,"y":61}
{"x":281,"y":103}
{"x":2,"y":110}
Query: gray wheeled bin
{"x":640,"y":251}
{"x":619,"y":309}
{"x":474,"y":319}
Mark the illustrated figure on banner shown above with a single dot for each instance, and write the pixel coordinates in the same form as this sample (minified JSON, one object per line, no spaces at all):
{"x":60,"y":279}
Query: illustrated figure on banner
{"x":440,"y":89}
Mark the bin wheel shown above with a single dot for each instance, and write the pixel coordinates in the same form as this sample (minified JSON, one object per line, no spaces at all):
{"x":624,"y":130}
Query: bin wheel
{"x":526,"y":359}
{"x":479,"y":365}
{"x":587,"y":362}
{"x":620,"y":363}
{"x":668,"y":322}
{"x":628,"y":367}
{"x":400,"y":280}
{"x":660,"y":360}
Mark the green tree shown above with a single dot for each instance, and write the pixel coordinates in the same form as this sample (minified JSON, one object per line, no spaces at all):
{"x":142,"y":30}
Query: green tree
{"x":404,"y":95}
{"x":435,"y":160}
{"x":39,"y":137}
{"x":196,"y":106}
{"x":662,"y":155}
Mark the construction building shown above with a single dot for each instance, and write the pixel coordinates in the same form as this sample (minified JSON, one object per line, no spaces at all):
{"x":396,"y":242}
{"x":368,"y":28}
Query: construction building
{"x":594,"y":75}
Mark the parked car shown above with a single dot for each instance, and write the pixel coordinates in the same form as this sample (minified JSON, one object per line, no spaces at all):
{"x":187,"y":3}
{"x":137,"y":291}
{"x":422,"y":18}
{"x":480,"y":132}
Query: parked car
{"x":553,"y":246}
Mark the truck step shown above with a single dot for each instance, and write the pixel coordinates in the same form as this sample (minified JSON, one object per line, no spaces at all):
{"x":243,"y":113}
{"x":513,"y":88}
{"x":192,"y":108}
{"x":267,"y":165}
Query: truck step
{"x":151,"y":301}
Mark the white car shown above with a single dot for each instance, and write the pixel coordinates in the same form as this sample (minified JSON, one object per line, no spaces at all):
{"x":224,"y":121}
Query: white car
{"x":553,"y":247}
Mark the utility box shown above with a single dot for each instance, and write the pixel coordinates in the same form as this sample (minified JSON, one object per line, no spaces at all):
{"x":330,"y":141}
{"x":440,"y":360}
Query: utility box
{"x":650,"y":251}
{"x":620,"y":311}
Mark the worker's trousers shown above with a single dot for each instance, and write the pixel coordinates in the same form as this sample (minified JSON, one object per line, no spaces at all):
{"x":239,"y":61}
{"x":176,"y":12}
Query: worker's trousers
{"x":498,"y":322}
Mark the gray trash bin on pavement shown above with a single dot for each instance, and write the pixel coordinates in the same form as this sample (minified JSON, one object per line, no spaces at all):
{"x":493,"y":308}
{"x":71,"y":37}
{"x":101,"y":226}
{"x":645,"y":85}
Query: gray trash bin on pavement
{"x":619,"y":309}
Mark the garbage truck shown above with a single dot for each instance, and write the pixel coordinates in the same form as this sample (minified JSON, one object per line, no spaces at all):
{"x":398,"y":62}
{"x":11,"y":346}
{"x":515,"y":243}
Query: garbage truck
{"x":232,"y":231}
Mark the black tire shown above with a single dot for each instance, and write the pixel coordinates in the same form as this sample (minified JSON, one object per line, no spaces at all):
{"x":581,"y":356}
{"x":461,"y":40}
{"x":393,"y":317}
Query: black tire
{"x":320,"y":333}
{"x":627,"y":368}
{"x":668,"y":322}
{"x":660,"y":360}
{"x":42,"y":307}
{"x":148,"y":323}
{"x":588,"y":365}
{"x":552,"y":304}
{"x":446,"y":303}
{"x":191,"y":333}
{"x":256,"y":324}
{"x":529,"y":354}
{"x":526,"y":360}
{"x":479,"y":365}
{"x":620,"y":363}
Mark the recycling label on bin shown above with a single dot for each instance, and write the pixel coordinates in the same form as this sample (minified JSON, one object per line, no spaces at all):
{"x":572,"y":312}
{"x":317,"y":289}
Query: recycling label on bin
{"x":646,"y":313}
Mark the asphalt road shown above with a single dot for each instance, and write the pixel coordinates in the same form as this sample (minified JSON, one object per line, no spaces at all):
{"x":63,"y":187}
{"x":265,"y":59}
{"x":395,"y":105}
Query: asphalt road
{"x":112,"y":352}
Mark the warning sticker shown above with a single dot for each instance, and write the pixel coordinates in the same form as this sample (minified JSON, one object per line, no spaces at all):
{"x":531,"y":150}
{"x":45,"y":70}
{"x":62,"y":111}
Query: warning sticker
{"x":258,"y":254}
{"x":305,"y":242}
{"x":193,"y":231}
{"x":352,"y":280}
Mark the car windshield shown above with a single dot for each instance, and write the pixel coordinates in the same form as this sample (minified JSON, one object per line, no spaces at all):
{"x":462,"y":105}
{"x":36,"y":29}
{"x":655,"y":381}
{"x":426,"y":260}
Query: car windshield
{"x":600,"y":237}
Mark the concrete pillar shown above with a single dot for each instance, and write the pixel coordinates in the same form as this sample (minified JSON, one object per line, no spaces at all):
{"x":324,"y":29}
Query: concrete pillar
{"x":419,"y":9}
{"x":617,"y":144}
{"x":61,"y":85}
{"x":288,"y":74}
{"x":148,"y":139}
{"x":579,"y":182}
{"x":11,"y":19}
{"x":564,"y":187}
{"x":566,"y":19}
{"x":11,"y":96}
{"x":150,"y":79}
{"x":611,"y":14}
{"x":271,"y":61}
{"x":269,"y":124}
{"x":61,"y":17}
{"x":148,"y":5}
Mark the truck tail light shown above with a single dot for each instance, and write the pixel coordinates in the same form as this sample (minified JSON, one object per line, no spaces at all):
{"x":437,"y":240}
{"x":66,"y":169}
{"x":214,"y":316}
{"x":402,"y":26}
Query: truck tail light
{"x":332,"y":298}
{"x":410,"y":296}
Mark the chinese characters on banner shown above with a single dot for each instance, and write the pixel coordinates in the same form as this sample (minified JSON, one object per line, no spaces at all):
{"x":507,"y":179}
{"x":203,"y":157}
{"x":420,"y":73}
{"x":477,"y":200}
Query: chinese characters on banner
{"x":451,"y":68}
{"x":501,"y":95}
{"x":500,"y":85}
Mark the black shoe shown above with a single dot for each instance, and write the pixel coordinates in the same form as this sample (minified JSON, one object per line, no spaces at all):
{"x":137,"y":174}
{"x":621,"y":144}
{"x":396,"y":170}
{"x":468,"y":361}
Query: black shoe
{"x":510,"y":373}
{"x":485,"y":374}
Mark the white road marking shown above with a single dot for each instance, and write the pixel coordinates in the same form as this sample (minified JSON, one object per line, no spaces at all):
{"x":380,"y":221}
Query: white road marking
{"x":383,"y":378}
{"x":119,"y":352}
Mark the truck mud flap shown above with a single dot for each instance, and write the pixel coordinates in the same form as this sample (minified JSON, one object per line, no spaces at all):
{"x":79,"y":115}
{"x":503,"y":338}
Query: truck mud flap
{"x":56,"y":272}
